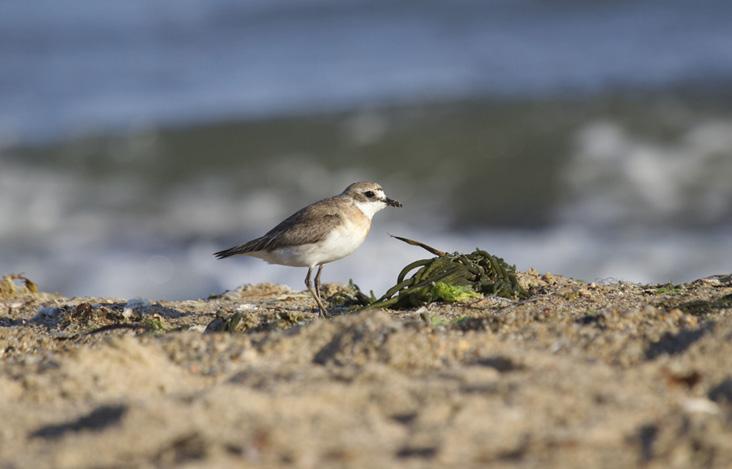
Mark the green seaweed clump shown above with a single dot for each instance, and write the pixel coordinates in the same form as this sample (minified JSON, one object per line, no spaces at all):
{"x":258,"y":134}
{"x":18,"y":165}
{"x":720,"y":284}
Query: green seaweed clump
{"x":350,"y":297}
{"x":453,"y":293}
{"x":451,"y":277}
{"x":706,"y":308}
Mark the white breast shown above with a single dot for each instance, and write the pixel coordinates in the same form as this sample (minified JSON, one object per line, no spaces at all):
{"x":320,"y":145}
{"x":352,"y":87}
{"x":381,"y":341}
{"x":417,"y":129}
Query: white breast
{"x":342,"y":241}
{"x":338,"y":244}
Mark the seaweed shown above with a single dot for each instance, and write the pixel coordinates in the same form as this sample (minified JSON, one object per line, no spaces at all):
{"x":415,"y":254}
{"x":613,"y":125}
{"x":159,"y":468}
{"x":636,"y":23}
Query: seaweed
{"x":668,"y":288}
{"x":350,"y":296}
{"x":450,"y":277}
{"x":706,"y":308}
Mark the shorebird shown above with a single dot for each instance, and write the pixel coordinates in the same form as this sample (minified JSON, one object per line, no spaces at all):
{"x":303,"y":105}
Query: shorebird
{"x":322,"y":232}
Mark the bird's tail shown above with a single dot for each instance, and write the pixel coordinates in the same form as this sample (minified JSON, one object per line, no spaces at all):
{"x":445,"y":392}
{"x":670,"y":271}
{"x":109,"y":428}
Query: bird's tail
{"x":228,"y":252}
{"x":251,"y":246}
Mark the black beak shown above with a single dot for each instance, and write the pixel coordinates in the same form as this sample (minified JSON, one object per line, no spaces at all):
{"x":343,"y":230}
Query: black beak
{"x":392,"y":202}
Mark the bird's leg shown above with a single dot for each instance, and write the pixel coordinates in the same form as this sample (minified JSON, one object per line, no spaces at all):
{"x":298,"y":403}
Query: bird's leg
{"x":323,"y":311}
{"x":317,"y":282}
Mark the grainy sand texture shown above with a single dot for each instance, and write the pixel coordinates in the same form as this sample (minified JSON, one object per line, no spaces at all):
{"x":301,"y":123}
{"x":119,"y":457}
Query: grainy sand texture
{"x":578,"y":375}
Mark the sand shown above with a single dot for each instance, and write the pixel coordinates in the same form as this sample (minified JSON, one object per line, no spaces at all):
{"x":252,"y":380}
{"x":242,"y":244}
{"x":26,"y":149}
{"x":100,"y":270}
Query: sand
{"x":578,"y":375}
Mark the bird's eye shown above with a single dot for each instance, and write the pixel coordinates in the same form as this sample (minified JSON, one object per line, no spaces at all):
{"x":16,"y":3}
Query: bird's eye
{"x":369,"y":194}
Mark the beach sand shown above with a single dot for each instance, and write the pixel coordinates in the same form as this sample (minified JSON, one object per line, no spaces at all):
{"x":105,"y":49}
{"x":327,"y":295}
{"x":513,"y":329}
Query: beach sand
{"x":578,"y":375}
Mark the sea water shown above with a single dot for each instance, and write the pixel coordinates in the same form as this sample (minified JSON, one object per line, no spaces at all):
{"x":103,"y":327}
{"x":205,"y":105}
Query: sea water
{"x":589,"y":139}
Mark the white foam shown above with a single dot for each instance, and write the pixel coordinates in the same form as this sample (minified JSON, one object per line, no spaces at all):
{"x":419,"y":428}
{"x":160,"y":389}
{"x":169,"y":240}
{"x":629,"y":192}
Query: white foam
{"x":617,"y":178}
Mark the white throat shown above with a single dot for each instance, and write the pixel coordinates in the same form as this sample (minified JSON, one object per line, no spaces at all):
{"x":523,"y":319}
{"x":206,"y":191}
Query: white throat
{"x":369,"y":208}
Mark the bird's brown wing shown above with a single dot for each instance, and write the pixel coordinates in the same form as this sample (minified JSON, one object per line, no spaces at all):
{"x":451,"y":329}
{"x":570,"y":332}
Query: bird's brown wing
{"x":307,"y":226}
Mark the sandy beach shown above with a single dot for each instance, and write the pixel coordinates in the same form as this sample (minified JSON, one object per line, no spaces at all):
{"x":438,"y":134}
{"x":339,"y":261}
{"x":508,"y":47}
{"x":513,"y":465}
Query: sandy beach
{"x":577,"y":375}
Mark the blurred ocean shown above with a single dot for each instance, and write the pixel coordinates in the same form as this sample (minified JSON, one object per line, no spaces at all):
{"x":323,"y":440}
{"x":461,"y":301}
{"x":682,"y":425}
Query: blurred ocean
{"x":591,"y":139}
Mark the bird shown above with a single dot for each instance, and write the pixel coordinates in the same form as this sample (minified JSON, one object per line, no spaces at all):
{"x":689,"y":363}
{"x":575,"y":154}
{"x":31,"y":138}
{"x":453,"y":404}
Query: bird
{"x":322,"y":232}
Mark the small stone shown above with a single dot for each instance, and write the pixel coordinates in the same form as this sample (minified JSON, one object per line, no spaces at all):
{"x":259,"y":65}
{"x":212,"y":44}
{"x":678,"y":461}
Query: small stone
{"x":700,"y":405}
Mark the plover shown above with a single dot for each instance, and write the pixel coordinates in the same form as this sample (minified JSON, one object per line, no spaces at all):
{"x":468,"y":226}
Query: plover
{"x":323,"y":232}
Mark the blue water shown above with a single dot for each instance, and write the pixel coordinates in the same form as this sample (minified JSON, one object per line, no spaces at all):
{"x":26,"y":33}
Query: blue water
{"x":85,"y":66}
{"x":625,"y":201}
